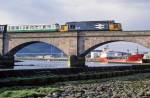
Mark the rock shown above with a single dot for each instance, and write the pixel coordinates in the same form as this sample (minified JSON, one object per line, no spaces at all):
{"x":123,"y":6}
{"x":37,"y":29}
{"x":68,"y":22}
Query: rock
{"x":64,"y":94}
{"x":129,"y":95}
{"x":117,"y":96}
{"x":90,"y":96}
{"x":104,"y":97}
{"x":107,"y":89}
{"x":56,"y":94}
{"x":147,"y":93}
{"x":78,"y":94}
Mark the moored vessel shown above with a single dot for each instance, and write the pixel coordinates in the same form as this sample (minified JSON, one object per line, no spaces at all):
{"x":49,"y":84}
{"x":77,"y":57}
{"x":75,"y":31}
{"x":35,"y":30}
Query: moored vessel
{"x":134,"y":58}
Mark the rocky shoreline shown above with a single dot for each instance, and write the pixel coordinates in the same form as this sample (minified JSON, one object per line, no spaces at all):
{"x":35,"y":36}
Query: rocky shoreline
{"x":133,"y":86}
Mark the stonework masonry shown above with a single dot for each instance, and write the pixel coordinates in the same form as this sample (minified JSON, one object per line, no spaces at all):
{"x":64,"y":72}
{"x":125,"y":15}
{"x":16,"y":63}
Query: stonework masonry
{"x":76,"y":43}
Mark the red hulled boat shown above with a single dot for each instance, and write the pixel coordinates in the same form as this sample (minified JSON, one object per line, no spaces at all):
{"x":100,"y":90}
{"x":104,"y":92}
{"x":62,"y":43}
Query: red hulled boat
{"x":136,"y":58}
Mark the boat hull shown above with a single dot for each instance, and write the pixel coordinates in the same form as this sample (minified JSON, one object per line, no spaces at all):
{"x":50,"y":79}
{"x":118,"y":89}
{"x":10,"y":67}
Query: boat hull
{"x":131,"y":59}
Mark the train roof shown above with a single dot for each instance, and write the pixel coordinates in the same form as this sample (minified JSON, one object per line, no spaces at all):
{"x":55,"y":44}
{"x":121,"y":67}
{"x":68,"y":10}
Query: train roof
{"x":105,"y":21}
{"x":31,"y":24}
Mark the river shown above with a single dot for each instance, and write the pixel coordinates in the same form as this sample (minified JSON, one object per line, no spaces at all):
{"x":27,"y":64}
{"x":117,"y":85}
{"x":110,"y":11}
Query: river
{"x":35,"y":64}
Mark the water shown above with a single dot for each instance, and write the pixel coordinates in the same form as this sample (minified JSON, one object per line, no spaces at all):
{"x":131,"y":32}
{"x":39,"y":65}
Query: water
{"x":35,"y":64}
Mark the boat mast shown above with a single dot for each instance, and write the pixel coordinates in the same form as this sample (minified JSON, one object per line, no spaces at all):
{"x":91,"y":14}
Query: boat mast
{"x":137,"y":50}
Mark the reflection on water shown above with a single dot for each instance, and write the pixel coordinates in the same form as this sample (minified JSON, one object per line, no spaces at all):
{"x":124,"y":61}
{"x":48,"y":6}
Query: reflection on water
{"x":33,"y":64}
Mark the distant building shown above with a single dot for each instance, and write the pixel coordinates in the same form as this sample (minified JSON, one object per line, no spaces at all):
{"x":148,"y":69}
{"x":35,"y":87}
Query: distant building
{"x":40,"y":57}
{"x":95,"y":53}
{"x":48,"y":56}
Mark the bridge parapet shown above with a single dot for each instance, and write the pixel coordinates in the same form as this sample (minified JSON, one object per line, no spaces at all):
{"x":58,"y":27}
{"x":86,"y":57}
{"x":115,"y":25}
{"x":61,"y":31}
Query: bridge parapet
{"x":115,"y":33}
{"x":82,"y":33}
{"x":42,"y":35}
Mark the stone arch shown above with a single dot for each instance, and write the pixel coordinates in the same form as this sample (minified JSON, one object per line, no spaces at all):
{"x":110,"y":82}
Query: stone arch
{"x":95,"y":46}
{"x":103,"y":43}
{"x":21,"y":46}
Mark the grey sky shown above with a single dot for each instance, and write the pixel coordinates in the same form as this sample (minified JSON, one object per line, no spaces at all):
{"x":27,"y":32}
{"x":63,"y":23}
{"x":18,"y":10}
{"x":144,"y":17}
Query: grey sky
{"x":133,"y":14}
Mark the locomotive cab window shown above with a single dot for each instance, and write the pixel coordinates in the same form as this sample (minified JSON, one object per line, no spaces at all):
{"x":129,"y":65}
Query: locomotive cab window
{"x":72,"y":26}
{"x":115,"y":25}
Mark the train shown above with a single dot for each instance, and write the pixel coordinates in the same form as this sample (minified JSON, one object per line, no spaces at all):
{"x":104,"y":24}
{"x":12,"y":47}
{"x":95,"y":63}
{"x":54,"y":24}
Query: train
{"x":108,"y":25}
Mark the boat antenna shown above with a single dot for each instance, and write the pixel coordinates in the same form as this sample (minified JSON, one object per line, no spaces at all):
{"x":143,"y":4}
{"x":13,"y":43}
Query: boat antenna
{"x":137,"y":50}
{"x":128,"y":51}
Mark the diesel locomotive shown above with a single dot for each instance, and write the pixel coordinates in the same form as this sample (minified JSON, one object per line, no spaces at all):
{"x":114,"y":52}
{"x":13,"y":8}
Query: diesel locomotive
{"x":91,"y":26}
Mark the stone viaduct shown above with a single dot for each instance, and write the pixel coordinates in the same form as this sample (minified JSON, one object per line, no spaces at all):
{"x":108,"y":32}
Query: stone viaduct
{"x":75,"y":43}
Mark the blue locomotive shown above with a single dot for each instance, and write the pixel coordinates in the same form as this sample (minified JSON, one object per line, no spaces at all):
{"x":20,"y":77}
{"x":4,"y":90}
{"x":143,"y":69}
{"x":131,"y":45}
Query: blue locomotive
{"x":91,"y":26}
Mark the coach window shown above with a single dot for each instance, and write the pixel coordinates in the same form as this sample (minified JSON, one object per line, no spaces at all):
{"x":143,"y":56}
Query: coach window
{"x":44,"y":26}
{"x":48,"y":26}
{"x":36,"y":27}
{"x":17,"y":27}
{"x":31,"y":27}
{"x":24,"y":27}
{"x":40,"y":27}
{"x":7,"y":27}
{"x":27,"y":27}
{"x":12,"y":27}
